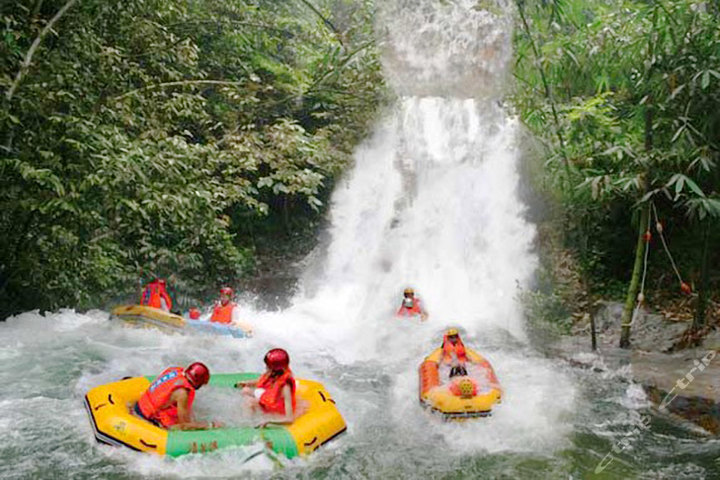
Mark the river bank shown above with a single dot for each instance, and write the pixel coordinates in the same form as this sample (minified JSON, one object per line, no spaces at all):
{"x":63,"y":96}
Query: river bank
{"x":681,"y":383}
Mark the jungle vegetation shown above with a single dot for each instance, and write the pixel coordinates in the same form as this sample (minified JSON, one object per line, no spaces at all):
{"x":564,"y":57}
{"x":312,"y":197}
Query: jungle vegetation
{"x":143,"y":138}
{"x":625,"y":98}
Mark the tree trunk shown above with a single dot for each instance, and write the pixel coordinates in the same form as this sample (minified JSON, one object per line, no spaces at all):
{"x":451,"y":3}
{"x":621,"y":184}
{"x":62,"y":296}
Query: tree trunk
{"x":640,"y":247}
{"x":699,"y":319}
{"x":635,"y":281}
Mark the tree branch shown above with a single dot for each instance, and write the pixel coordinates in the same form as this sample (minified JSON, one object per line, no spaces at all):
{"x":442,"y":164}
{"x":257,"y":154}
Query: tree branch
{"x":25,"y":65}
{"x":327,"y":22}
{"x":174,"y":84}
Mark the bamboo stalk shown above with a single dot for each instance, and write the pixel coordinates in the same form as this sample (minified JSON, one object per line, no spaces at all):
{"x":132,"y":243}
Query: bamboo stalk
{"x":635,"y":281}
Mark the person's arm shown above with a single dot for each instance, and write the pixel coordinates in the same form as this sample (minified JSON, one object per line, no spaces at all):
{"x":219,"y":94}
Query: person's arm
{"x":423,"y":314}
{"x":238,"y":322}
{"x":185,"y":417}
{"x":287,"y":396}
{"x":246,"y":383}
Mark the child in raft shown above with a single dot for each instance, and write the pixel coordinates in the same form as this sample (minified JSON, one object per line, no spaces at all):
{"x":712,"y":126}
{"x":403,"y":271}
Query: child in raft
{"x":274,"y":392}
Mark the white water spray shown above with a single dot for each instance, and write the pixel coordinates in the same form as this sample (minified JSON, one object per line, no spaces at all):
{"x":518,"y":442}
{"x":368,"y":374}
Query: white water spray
{"x":432,"y":202}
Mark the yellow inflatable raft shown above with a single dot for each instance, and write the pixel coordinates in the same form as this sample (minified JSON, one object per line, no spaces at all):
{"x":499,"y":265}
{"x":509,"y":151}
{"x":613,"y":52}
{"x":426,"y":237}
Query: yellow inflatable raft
{"x":109,"y":408}
{"x":143,"y":315}
{"x":451,"y":401}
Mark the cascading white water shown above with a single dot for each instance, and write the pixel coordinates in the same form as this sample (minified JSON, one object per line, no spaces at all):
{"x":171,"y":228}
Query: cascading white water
{"x":432,"y":201}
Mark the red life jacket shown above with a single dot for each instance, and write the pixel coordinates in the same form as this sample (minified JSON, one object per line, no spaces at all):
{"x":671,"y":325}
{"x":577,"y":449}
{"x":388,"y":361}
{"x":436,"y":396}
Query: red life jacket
{"x":153,"y":402}
{"x":154,"y":294}
{"x":272,"y":401}
{"x":489,"y":372}
{"x":455,"y":387}
{"x":223,"y":313}
{"x":448,"y":347}
{"x":409,"y":311}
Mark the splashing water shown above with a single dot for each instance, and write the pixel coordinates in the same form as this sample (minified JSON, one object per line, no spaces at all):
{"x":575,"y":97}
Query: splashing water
{"x":432,"y":202}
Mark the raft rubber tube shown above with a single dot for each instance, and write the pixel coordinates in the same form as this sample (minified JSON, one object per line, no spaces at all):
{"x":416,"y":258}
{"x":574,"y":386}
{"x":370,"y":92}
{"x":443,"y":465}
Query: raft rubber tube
{"x":440,"y":400}
{"x":109,"y":408}
{"x":144,"y":315}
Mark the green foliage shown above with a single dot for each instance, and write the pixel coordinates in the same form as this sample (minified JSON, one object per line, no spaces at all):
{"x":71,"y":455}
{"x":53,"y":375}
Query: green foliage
{"x":141,"y":134}
{"x":636,"y":92}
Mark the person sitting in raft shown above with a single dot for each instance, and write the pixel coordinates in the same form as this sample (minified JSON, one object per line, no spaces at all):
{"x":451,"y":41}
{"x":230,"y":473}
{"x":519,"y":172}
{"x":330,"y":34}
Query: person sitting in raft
{"x":167,"y":403}
{"x":274,"y":391}
{"x":228,"y":312}
{"x":453,"y":351}
{"x":411,"y":305}
{"x":155,"y":295}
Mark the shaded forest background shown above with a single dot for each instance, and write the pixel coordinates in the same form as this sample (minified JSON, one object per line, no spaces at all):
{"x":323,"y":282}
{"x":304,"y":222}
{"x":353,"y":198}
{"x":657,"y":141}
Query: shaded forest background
{"x":143,"y":138}
{"x":624,"y":98}
{"x":188,"y":139}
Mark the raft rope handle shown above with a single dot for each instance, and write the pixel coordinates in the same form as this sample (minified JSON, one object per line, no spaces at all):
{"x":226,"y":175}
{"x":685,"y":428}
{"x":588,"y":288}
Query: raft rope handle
{"x":267,"y":450}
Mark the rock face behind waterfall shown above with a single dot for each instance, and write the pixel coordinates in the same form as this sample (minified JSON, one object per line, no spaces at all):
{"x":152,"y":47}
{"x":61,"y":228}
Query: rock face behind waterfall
{"x":450,"y":49}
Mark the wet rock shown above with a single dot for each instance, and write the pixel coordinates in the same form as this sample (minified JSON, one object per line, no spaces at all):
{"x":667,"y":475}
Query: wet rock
{"x":712,"y":341}
{"x":608,"y":316}
{"x":650,"y":332}
{"x":655,"y":333}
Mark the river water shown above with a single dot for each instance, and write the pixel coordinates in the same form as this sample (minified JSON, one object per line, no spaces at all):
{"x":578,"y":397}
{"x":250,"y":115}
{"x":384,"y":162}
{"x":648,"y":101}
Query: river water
{"x":432,"y":201}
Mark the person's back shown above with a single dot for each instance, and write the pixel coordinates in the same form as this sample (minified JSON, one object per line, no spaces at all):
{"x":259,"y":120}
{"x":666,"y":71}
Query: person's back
{"x":274,"y":391}
{"x":168,"y":400}
{"x":155,"y":295}
{"x":271,"y":400}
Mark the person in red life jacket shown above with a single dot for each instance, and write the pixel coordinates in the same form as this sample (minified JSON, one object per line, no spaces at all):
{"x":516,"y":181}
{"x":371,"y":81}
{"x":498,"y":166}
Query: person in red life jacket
{"x":225,"y":308}
{"x":453,"y":350}
{"x":411,"y":305}
{"x":168,"y":400}
{"x":155,"y":295}
{"x":274,"y":391}
{"x":228,"y":312}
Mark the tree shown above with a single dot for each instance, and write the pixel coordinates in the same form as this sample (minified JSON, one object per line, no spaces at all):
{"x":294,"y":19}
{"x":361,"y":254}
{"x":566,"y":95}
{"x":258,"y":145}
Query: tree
{"x":637,"y":128}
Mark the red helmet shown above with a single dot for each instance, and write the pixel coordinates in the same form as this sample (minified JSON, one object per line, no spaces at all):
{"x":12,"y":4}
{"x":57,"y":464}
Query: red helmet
{"x":194,"y":313}
{"x":277,"y":359}
{"x":197,"y":374}
{"x":226,"y":291}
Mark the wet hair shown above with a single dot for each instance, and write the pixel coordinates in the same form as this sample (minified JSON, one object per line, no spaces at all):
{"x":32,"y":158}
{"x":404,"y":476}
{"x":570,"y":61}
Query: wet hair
{"x":458,"y":371}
